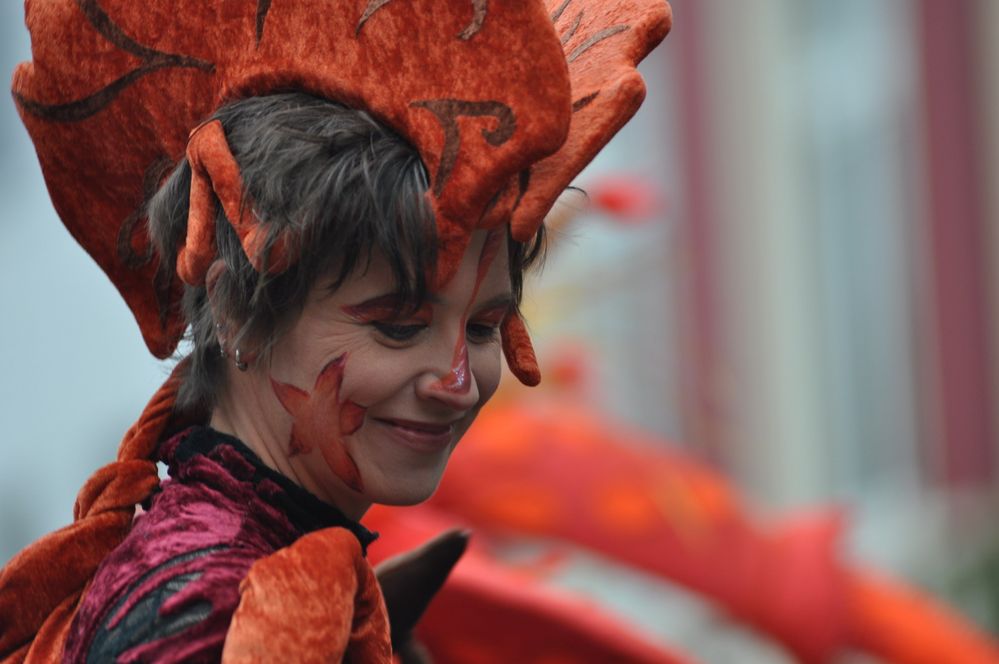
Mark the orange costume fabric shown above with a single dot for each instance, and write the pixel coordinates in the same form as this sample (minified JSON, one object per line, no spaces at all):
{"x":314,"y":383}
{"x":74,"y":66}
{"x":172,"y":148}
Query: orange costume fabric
{"x":634,"y":500}
{"x":505,"y":102}
{"x":292,"y":606}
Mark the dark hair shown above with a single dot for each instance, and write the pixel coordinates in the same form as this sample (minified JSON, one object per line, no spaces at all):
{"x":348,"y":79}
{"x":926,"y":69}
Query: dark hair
{"x":343,"y":184}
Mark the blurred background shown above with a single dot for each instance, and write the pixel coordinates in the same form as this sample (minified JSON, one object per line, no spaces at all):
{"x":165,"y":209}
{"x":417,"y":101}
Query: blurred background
{"x":790,"y":272}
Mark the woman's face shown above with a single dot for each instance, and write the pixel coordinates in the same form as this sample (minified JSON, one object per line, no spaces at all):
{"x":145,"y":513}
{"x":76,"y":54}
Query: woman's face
{"x":366,"y":405}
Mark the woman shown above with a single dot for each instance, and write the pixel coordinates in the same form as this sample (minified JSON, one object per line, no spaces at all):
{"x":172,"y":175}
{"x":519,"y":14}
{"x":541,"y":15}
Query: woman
{"x":340,"y":374}
{"x":347,"y":294}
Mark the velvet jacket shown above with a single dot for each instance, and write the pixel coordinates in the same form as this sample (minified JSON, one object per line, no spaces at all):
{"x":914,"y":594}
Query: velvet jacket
{"x":219,"y":540}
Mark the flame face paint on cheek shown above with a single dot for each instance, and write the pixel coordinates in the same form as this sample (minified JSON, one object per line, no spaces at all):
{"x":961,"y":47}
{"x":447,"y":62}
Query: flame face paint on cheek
{"x":320,"y":419}
{"x":459,"y":379}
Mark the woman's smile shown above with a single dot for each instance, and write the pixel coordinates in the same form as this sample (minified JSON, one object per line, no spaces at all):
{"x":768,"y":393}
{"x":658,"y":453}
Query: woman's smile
{"x":423,"y":437}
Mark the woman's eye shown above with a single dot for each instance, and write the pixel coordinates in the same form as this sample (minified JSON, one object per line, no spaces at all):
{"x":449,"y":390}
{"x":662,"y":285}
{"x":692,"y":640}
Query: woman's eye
{"x":397,"y":332}
{"x":481,"y":332}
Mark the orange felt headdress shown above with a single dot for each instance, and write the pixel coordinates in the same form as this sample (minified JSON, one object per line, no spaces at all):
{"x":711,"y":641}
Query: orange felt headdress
{"x":505,"y":102}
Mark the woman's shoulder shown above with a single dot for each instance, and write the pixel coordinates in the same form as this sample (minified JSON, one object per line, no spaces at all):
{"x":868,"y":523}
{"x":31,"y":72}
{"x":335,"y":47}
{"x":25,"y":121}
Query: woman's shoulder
{"x":167,"y":608}
{"x":168,"y":591}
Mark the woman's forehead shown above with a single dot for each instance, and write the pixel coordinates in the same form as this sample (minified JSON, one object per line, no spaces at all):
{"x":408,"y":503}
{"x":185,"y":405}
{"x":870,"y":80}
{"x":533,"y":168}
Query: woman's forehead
{"x":484,"y":268}
{"x":487,"y":277}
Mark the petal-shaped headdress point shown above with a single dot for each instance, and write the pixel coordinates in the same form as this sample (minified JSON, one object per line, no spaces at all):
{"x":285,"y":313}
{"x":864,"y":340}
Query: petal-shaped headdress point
{"x":504,"y":101}
{"x":604,"y":42}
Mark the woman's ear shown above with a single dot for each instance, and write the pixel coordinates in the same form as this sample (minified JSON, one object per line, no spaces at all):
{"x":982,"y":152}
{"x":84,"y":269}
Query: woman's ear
{"x":227,"y":330}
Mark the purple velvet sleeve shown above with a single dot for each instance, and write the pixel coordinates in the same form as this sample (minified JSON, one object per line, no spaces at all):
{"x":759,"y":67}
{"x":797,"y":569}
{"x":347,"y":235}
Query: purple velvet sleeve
{"x":168,"y":592}
{"x":177,"y":612}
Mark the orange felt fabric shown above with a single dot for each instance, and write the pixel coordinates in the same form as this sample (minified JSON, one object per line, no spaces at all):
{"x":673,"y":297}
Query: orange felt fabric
{"x":314,"y":601}
{"x":604,"y":40}
{"x":114,"y":88}
{"x":633,"y":501}
{"x":494,"y":611}
{"x":215,"y":175}
{"x":518,"y":350}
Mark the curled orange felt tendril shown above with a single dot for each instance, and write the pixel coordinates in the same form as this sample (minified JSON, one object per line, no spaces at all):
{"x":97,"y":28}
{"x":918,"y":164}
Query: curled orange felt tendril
{"x":518,"y":350}
{"x":215,"y":175}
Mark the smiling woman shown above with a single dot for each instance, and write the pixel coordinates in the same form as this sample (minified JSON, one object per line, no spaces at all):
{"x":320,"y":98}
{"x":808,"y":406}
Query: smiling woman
{"x":347,"y":373}
{"x":356,"y":191}
{"x":349,"y":349}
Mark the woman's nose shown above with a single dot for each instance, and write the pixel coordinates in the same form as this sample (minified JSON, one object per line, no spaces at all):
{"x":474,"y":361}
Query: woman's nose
{"x":454,"y":387}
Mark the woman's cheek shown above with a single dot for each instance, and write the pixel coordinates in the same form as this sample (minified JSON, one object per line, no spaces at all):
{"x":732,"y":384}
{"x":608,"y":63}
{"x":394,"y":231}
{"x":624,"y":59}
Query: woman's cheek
{"x":376,"y":375}
{"x":322,"y":417}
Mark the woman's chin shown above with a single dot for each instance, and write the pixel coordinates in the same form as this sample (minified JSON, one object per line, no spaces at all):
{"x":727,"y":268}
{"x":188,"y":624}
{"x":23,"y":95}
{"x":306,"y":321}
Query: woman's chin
{"x":403,"y":492}
{"x":398,"y":474}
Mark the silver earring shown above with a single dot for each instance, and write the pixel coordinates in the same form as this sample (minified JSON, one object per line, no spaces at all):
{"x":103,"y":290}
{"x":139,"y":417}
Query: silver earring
{"x":240,"y":364}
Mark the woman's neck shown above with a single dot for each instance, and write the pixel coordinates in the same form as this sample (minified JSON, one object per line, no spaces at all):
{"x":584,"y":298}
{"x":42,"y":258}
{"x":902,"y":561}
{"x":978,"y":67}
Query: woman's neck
{"x":241,"y":416}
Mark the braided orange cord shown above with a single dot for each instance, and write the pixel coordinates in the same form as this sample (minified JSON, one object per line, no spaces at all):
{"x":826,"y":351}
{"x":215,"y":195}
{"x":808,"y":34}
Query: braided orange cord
{"x":41,"y":586}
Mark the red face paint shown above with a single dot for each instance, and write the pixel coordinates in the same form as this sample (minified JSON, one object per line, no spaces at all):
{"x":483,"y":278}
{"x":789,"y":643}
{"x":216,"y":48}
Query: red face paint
{"x":459,"y":379}
{"x":493,"y":316}
{"x":321,"y":420}
{"x":388,"y":307}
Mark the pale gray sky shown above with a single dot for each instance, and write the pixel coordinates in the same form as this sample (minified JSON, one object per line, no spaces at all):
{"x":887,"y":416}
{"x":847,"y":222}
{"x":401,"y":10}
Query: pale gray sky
{"x":74,"y":373}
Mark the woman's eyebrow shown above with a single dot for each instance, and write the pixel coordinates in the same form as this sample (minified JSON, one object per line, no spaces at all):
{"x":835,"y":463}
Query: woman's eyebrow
{"x":501,"y":301}
{"x":393,"y":304}
{"x":387,"y":304}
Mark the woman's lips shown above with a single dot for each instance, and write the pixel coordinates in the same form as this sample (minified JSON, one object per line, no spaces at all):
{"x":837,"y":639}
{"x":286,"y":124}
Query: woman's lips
{"x":421,"y":436}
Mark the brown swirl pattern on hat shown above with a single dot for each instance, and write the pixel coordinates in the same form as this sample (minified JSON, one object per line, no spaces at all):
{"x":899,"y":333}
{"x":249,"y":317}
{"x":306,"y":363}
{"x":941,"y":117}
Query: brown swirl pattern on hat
{"x":606,"y":33}
{"x":583,"y":102}
{"x":447,"y":112}
{"x":479,"y":10}
{"x":152,"y":60}
{"x":568,"y":34}
{"x":557,"y":14}
{"x":263,"y":6}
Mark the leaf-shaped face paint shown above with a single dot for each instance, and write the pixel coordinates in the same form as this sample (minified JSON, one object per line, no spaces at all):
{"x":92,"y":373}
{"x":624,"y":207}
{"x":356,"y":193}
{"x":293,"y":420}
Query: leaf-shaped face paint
{"x":320,"y":419}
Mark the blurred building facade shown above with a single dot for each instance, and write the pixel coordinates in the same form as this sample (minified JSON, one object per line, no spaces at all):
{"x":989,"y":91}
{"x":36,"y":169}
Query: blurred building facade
{"x":816,"y":309}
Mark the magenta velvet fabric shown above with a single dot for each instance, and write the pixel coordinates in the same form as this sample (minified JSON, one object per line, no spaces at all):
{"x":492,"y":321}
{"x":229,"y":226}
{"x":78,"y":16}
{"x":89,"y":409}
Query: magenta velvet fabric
{"x":168,"y":592}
